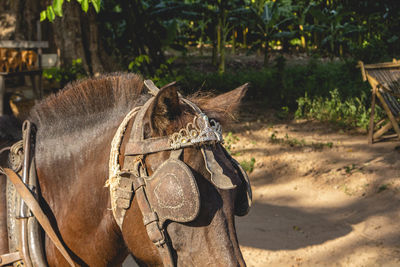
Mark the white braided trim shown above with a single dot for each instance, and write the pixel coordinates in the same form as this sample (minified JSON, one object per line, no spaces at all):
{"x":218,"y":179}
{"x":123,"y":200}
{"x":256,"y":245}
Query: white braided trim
{"x":114,"y":169}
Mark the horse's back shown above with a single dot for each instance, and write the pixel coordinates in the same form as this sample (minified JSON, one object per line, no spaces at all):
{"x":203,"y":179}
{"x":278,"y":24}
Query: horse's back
{"x":10,"y":132}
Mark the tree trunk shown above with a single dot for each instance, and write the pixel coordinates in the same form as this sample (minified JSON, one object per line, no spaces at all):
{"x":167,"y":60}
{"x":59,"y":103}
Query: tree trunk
{"x":222,"y":40}
{"x":316,"y":39}
{"x":94,"y":51}
{"x":266,"y":55}
{"x":201,"y":44}
{"x":76,"y":34}
{"x":214,"y":56}
{"x":234,"y":36}
{"x":68,"y":35}
{"x":18,"y":19}
{"x":221,"y":67}
{"x":219,"y":36}
{"x":245,"y":38}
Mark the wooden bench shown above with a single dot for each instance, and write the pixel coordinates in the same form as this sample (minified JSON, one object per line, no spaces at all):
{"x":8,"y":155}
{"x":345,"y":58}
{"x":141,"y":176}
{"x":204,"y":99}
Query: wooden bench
{"x":384,"y":79}
{"x":32,"y":73}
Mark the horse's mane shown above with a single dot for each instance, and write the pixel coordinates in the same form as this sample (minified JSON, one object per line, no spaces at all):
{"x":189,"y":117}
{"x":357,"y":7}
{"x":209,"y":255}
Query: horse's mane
{"x":88,"y":102}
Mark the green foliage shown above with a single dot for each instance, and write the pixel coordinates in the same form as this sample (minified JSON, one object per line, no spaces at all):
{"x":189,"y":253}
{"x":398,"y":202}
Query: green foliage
{"x":349,"y":169}
{"x":283,"y":113}
{"x":294,"y":142}
{"x":138,"y":62}
{"x":66,"y":74}
{"x":248,"y":166}
{"x":164,"y":74}
{"x":264,"y":80}
{"x":55,"y":9}
{"x":372,"y":51}
{"x":353,"y":111}
{"x":281,"y":86}
{"x":383,"y":188}
{"x":229,"y":140}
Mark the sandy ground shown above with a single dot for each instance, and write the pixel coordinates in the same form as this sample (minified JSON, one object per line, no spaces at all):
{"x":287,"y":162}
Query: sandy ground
{"x":322,"y":197}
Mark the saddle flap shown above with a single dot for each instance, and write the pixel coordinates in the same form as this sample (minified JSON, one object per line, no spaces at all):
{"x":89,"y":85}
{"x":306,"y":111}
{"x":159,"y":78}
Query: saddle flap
{"x":173,"y":193}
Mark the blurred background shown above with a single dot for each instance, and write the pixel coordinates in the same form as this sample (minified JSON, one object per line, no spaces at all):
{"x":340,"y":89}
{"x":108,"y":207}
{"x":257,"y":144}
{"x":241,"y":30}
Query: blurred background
{"x":291,"y":51}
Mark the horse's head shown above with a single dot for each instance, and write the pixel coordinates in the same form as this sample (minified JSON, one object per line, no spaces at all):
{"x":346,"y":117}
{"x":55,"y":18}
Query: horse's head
{"x":200,"y":182}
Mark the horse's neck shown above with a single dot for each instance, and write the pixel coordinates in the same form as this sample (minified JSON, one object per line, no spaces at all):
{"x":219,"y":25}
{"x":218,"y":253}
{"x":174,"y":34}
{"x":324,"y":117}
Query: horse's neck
{"x":72,"y":171}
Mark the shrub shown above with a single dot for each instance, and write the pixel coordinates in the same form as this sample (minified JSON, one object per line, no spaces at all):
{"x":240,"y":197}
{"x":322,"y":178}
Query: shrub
{"x":67,"y":74}
{"x":282,"y":85}
{"x":353,"y":112}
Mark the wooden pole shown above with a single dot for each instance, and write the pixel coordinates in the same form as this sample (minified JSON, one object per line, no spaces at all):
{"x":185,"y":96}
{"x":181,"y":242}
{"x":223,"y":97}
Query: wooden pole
{"x":382,"y":130}
{"x":39,"y":85}
{"x":389,"y":113}
{"x":371,"y":119}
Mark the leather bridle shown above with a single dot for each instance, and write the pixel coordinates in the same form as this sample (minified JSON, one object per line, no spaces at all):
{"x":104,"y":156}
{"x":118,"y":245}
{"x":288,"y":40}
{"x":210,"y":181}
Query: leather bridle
{"x":133,"y":179}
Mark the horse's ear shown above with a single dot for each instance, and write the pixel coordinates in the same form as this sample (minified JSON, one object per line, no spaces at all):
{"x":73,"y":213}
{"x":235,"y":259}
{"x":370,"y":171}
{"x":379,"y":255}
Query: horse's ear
{"x":223,"y":106}
{"x":164,"y":109}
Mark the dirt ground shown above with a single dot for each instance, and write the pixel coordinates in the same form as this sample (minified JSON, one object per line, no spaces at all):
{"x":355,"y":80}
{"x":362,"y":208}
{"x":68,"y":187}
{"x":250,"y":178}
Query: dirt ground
{"x":322,"y":196}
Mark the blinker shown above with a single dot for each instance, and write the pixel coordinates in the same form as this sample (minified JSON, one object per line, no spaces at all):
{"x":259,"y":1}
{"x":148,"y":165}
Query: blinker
{"x":172,"y":191}
{"x":218,"y":178}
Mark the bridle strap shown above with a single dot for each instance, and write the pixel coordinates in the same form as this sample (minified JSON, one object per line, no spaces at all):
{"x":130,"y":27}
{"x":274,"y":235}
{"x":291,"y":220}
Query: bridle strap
{"x":156,"y":233}
{"x":150,"y":145}
{"x":137,"y":133}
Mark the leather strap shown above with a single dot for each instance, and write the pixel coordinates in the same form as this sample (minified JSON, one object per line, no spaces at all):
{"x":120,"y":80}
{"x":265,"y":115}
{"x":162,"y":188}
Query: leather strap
{"x":147,"y":146}
{"x":155,"y":231}
{"x":9,"y":258}
{"x":34,"y":206}
{"x":137,"y":133}
{"x":152,"y":87}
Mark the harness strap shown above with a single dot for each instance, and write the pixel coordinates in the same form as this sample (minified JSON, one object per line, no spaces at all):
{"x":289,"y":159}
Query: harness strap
{"x":9,"y":258}
{"x":154,"y":230}
{"x":34,"y":206}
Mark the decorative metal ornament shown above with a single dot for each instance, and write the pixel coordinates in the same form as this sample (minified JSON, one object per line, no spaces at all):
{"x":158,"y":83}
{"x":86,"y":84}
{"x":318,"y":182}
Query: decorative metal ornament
{"x":200,"y":131}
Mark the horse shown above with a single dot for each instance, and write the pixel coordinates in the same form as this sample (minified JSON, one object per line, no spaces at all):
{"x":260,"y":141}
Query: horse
{"x":75,"y":132}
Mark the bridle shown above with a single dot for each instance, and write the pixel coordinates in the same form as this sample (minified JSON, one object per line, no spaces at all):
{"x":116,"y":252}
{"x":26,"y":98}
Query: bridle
{"x":171,"y":192}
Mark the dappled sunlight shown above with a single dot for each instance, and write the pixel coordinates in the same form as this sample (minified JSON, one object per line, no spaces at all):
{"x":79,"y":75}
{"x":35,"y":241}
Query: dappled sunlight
{"x":321,"y":197}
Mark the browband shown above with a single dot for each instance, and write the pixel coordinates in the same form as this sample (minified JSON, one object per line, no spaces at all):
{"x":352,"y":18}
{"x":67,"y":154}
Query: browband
{"x":196,"y":133}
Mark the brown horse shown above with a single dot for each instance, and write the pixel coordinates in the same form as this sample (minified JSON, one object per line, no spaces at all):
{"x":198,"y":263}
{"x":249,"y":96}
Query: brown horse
{"x":73,"y":140}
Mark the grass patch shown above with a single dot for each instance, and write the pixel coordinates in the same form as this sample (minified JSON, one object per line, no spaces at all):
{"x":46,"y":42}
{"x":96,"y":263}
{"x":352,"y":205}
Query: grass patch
{"x":229,"y":140}
{"x":383,"y":188}
{"x":248,"y":166}
{"x":294,"y":142}
{"x":352,"y":112}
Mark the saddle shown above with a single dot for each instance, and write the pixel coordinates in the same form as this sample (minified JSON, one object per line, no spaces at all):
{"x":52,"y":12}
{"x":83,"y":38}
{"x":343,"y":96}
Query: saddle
{"x":24,"y":233}
{"x":23,"y":210}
